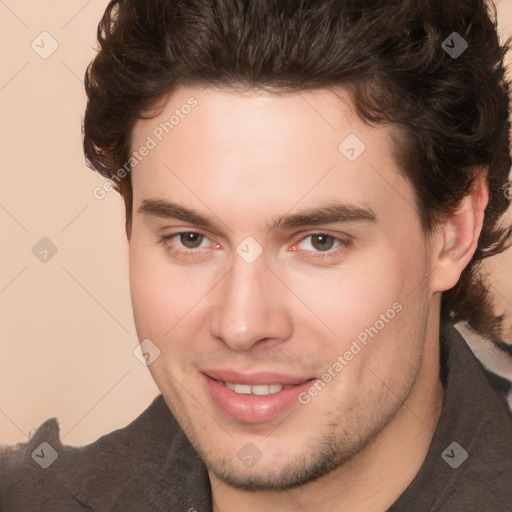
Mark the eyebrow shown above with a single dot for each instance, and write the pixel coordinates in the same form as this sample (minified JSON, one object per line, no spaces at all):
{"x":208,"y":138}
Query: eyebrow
{"x":329,"y":214}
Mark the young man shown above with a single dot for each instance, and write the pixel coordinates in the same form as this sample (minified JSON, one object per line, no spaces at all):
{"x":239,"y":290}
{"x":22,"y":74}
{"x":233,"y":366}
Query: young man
{"x":310,"y":188}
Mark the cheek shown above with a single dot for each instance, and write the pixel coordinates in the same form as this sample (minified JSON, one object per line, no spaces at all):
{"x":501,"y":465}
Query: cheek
{"x":154,"y":299}
{"x":165,"y":295}
{"x":352,"y":297}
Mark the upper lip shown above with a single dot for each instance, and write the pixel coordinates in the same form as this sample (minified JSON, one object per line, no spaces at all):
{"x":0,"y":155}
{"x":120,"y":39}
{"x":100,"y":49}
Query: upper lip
{"x":254,"y":379}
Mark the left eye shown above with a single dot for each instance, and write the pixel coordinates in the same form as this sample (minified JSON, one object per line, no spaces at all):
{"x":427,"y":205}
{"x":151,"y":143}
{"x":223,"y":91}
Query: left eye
{"x":184,"y":241}
{"x":190,"y":239}
{"x":321,"y":242}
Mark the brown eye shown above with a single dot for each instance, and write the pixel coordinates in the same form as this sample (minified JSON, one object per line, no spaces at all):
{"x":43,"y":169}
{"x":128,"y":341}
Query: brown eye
{"x":322,"y":242}
{"x":191,"y":240}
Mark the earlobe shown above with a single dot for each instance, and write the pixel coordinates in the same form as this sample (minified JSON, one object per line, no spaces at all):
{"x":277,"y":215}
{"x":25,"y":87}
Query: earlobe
{"x":456,"y":239}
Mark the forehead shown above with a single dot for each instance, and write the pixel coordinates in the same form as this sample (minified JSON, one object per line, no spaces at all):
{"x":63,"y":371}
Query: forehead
{"x":262,"y":152}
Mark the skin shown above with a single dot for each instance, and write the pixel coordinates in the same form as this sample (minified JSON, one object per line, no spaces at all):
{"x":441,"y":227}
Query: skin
{"x":245,"y":159}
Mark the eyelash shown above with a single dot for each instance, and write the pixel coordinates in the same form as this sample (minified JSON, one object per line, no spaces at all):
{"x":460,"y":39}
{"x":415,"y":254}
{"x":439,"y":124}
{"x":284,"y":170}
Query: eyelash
{"x":343,"y":244}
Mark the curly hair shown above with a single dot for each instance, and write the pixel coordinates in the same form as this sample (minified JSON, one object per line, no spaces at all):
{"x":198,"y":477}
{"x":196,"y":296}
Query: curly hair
{"x":451,"y":111}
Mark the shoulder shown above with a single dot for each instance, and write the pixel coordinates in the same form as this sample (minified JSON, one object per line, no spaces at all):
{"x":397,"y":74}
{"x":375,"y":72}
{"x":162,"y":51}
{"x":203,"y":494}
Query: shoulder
{"x":474,"y":434}
{"x":496,"y":358}
{"x":44,"y":474}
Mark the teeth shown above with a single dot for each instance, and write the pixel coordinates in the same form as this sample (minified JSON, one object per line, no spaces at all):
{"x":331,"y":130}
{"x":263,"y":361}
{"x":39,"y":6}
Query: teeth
{"x":243,"y":389}
{"x":229,"y":385}
{"x":259,"y":389}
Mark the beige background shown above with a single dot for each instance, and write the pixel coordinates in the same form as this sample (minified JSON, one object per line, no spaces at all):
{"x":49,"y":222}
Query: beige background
{"x":67,"y":334}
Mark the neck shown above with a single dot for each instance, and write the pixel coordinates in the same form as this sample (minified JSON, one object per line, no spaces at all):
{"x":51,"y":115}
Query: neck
{"x":376,"y":476}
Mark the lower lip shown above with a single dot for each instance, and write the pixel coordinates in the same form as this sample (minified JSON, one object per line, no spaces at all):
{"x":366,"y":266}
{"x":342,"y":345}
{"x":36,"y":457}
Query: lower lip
{"x":253,"y":408}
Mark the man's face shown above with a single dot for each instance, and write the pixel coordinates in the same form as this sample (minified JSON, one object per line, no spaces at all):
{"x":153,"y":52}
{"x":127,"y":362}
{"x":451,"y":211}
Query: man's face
{"x":310,"y":274}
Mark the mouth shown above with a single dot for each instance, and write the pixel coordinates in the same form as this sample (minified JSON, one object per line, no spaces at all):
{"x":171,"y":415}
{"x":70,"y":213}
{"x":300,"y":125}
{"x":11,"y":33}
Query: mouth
{"x":256,"y":398}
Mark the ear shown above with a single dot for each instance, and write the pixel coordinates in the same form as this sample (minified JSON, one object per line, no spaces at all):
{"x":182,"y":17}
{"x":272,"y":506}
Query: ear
{"x":455,"y":240}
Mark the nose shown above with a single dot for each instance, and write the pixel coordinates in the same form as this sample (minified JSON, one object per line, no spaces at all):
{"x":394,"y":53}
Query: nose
{"x":251,"y":307}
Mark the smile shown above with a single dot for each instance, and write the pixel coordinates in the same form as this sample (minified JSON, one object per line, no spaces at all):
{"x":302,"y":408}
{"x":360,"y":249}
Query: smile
{"x":255,"y":398}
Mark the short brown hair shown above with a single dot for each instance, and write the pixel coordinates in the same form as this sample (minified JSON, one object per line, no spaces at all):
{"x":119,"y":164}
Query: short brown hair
{"x":451,"y":111}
